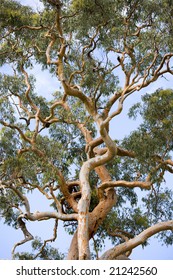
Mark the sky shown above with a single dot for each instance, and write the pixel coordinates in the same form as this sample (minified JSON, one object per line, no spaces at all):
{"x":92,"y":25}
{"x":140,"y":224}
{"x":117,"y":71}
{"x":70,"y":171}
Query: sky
{"x":120,"y":127}
{"x":35,"y":4}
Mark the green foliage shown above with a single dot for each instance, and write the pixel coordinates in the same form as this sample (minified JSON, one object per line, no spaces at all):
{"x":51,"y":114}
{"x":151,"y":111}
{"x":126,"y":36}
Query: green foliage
{"x":8,"y":214}
{"x":39,"y":137}
{"x":153,"y":135}
{"x":14,"y":14}
{"x":47,"y":253}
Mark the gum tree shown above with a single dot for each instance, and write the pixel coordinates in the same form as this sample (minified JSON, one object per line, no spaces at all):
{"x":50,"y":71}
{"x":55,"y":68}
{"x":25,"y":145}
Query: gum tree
{"x":60,"y":143}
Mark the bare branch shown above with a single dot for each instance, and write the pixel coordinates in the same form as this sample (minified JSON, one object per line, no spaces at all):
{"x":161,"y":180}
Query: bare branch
{"x":121,"y":183}
{"x":49,"y":47}
{"x":33,"y":106}
{"x":28,"y":236}
{"x":137,"y":240}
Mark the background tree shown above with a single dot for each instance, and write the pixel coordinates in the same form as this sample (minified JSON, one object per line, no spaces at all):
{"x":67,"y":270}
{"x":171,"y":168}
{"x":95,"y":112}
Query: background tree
{"x":60,"y":144}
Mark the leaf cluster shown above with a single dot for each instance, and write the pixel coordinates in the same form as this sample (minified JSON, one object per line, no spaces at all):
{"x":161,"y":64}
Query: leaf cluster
{"x":48,"y":253}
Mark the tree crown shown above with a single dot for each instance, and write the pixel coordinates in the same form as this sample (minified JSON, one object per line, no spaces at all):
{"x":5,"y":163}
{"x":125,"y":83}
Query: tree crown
{"x":59,"y":143}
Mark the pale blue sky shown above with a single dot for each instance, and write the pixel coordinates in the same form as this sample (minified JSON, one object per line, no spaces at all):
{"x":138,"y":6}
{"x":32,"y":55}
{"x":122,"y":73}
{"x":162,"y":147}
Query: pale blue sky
{"x":120,"y":127}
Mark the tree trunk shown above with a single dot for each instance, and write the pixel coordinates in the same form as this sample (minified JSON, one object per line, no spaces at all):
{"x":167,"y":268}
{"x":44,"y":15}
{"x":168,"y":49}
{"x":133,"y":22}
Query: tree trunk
{"x":95,"y":219}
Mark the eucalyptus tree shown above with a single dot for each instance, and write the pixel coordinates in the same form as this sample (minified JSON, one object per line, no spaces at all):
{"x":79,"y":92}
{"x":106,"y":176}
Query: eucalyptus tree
{"x":60,"y":143}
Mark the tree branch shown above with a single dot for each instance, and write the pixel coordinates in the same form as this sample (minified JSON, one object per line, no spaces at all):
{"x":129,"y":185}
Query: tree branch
{"x":28,"y":236}
{"x":136,"y":241}
{"x":122,"y":183}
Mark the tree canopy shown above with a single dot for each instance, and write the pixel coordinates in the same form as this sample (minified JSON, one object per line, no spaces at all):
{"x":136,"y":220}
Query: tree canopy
{"x":59,"y":143}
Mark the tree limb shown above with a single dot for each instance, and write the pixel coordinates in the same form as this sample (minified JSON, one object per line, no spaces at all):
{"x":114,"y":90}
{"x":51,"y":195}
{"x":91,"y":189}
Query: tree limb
{"x":122,"y":183}
{"x":136,"y":241}
{"x":28,"y":236}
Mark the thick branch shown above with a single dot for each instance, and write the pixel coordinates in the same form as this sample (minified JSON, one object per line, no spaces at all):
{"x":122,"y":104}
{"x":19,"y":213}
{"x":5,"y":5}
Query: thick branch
{"x":39,"y":216}
{"x":120,"y":152}
{"x":136,"y":241}
{"x":27,"y":93}
{"x":122,"y":183}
